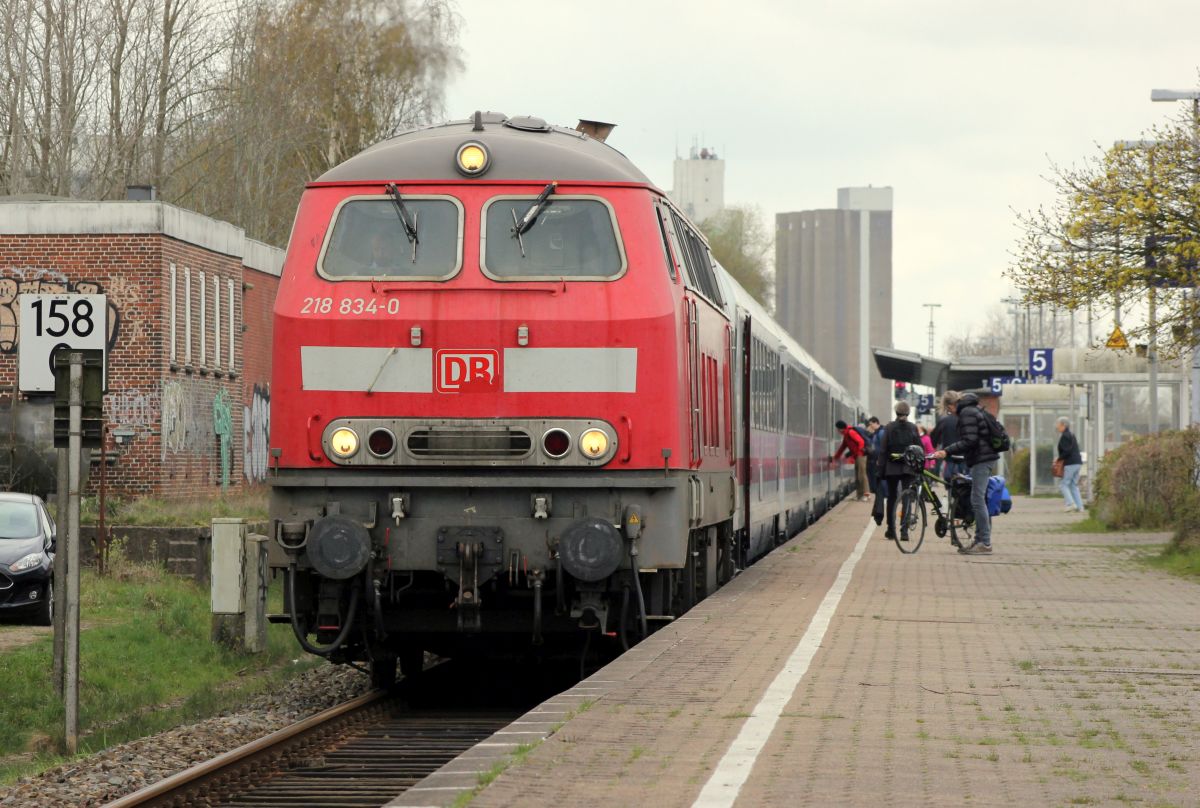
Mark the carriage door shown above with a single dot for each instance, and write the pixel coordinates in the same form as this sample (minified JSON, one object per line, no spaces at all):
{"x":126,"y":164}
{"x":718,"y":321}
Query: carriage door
{"x":707,"y":330}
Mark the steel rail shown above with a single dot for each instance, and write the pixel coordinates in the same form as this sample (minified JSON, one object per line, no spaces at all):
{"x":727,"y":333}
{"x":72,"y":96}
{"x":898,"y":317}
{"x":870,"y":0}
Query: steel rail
{"x":231,"y":769}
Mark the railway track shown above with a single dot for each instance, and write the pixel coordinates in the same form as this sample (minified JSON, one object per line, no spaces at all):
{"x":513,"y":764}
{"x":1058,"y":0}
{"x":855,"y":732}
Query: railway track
{"x":361,"y":753}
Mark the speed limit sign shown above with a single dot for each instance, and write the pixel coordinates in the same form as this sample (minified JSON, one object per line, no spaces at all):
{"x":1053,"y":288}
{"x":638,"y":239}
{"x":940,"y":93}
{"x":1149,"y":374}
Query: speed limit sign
{"x":49,"y":322}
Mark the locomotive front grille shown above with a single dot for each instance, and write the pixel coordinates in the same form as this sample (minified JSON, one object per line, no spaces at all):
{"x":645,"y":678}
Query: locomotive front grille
{"x":469,"y":443}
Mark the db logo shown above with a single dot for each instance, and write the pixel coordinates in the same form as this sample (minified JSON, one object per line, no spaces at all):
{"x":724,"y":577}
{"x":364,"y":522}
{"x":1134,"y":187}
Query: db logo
{"x":467,"y":371}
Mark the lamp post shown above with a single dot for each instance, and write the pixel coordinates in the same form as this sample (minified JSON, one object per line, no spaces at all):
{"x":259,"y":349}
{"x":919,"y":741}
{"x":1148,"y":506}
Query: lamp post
{"x":1194,"y":97}
{"x":931,"y":307}
{"x":1152,"y":324}
{"x":1016,"y":307}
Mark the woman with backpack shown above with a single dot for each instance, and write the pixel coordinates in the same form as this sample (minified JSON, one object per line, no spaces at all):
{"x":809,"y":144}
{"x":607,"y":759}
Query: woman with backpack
{"x":897,"y":436}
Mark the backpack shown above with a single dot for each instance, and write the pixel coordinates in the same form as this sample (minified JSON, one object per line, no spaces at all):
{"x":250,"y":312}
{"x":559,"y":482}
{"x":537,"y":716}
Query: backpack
{"x":865,"y":435}
{"x":899,"y":439}
{"x":999,"y":500}
{"x":999,"y":440}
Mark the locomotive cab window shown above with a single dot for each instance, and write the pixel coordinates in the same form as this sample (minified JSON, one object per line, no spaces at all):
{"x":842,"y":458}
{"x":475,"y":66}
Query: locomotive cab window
{"x":410,"y":238}
{"x":572,"y":237}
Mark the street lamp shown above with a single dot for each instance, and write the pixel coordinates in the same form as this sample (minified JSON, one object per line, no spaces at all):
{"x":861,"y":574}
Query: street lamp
{"x":931,"y":307}
{"x":1194,"y":97}
{"x":1152,"y":340}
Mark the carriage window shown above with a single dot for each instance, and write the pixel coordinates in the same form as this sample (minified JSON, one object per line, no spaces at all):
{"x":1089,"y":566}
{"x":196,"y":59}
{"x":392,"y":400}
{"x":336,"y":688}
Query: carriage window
{"x":573,"y":237}
{"x":369,"y":240}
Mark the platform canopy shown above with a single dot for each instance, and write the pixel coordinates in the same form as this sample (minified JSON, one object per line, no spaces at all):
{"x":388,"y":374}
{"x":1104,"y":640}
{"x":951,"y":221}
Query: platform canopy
{"x":940,"y":374}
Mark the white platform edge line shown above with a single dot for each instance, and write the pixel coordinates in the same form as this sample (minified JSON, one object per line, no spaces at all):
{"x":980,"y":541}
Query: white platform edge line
{"x":731,"y":773}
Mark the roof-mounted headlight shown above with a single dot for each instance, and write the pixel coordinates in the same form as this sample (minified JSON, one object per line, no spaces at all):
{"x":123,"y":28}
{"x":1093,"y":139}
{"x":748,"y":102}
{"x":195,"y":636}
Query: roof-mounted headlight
{"x":472,"y":158}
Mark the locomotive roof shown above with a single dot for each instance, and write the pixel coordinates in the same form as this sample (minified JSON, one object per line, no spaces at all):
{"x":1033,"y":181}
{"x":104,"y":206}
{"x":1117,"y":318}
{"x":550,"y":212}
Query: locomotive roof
{"x":522,"y":148}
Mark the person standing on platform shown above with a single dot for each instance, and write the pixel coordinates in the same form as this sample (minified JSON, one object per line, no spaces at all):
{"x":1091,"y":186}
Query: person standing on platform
{"x":945,"y":431}
{"x":975,"y":445}
{"x":897,"y":436}
{"x":1072,"y":464}
{"x":927,"y":443}
{"x":873,"y":449}
{"x":856,"y":449}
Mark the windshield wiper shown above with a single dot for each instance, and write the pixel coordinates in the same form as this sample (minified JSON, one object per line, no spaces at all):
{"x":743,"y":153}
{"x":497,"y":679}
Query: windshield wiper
{"x":527,"y":221}
{"x":410,"y":229}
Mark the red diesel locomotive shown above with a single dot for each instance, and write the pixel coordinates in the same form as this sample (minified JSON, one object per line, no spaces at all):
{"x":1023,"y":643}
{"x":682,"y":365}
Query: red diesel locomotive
{"x":507,"y":374}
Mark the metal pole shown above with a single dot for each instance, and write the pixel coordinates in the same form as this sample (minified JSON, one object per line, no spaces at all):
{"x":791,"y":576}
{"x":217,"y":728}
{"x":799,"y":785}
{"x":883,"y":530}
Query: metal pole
{"x":1152,"y":356}
{"x":1016,"y":339}
{"x":60,"y":569}
{"x":1195,"y":402}
{"x":71,"y":655}
{"x":931,"y":307}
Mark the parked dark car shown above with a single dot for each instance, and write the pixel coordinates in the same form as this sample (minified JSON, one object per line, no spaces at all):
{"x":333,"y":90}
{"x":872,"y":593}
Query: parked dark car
{"x":27,"y":537}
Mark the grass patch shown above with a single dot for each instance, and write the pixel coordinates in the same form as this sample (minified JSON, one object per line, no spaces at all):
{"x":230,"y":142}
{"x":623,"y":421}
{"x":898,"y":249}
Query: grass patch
{"x":1089,"y":524}
{"x":146,"y":664}
{"x":249,"y":504}
{"x":1177,"y":561}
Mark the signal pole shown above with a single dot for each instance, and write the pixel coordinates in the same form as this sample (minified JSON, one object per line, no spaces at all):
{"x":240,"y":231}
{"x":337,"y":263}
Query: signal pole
{"x":931,"y":307}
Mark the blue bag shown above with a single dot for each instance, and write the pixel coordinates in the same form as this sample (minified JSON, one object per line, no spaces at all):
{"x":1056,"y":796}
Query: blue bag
{"x":999,"y":500}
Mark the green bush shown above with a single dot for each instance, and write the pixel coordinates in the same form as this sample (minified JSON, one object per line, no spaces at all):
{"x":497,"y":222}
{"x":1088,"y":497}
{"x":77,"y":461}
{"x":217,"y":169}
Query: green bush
{"x":1149,"y":482}
{"x":1018,"y":472}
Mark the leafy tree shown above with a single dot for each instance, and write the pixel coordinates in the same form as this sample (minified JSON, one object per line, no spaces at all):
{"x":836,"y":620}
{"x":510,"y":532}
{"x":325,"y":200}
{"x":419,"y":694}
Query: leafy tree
{"x":1125,"y":227}
{"x":741,"y":244}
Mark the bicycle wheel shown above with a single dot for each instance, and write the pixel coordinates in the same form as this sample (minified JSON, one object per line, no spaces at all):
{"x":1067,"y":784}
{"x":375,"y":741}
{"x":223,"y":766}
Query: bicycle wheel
{"x":912,"y":519}
{"x":962,"y":531}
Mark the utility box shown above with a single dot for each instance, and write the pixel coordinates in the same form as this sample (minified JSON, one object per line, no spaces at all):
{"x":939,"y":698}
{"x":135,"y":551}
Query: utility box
{"x":255,"y":592}
{"x":228,"y":582}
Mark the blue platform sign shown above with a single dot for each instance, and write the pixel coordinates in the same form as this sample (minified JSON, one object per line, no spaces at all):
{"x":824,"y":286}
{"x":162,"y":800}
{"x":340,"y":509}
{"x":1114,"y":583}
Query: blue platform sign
{"x":994,"y":383}
{"x":924,"y":403}
{"x":1041,"y":363}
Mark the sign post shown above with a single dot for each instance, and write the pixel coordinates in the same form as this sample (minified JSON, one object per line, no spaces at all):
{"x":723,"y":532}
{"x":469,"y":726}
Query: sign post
{"x":71,"y":620}
{"x":63,"y":339}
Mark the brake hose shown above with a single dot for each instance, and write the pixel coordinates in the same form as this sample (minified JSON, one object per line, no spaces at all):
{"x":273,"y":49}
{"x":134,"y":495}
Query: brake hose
{"x":302,"y":636}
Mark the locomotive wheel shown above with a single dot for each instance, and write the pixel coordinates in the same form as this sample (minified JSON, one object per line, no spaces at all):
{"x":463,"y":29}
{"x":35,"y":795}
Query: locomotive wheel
{"x":412,"y":661}
{"x":383,"y":672}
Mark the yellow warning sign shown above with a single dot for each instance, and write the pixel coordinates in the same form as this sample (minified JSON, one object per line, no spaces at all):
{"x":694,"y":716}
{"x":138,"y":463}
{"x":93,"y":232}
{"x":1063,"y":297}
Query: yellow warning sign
{"x":633,"y":519}
{"x":1117,"y":339}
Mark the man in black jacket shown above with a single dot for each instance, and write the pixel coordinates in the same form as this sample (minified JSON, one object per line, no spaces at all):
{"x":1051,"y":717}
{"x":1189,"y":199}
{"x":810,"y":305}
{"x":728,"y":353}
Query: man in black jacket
{"x":897,"y":436}
{"x":975,"y":445}
{"x":945,"y":432}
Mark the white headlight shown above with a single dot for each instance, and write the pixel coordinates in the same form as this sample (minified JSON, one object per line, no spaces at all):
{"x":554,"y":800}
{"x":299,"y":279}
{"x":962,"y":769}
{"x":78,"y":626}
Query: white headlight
{"x":343,"y":442}
{"x":593,"y":444}
{"x":27,"y":563}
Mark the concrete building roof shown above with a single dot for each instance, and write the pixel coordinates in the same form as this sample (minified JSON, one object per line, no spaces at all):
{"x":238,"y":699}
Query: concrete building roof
{"x":50,"y":216}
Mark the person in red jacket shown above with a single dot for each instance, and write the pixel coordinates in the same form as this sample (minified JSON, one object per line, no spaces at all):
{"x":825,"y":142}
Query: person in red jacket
{"x":856,"y":449}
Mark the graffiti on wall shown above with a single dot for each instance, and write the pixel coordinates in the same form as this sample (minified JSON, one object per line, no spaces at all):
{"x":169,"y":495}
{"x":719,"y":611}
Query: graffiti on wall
{"x":223,"y":425}
{"x":17,"y":281}
{"x":134,"y":407}
{"x":187,"y":420}
{"x":256,"y":432}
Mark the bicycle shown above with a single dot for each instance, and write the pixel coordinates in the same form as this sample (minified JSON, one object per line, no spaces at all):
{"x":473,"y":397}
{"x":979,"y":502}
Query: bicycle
{"x":958,"y":516}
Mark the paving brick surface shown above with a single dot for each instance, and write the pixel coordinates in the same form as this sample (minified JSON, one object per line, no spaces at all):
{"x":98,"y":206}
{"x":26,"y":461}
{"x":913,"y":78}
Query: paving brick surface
{"x":1059,"y":671}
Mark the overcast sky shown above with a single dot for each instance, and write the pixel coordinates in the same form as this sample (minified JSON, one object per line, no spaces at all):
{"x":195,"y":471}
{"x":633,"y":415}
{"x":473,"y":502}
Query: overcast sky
{"x":958,"y":105}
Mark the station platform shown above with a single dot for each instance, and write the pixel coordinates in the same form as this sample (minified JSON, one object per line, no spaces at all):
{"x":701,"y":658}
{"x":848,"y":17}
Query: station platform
{"x":1061,"y":670}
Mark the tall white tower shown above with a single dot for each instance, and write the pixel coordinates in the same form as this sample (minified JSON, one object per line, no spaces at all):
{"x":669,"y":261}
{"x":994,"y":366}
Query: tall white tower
{"x":699,"y":184}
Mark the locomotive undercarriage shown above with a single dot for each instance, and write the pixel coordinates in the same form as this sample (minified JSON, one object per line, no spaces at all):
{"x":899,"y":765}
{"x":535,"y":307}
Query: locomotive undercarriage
{"x":389,"y":566}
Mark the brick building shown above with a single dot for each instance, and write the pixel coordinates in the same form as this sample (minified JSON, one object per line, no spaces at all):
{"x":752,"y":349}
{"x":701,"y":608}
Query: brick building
{"x":189,"y":340}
